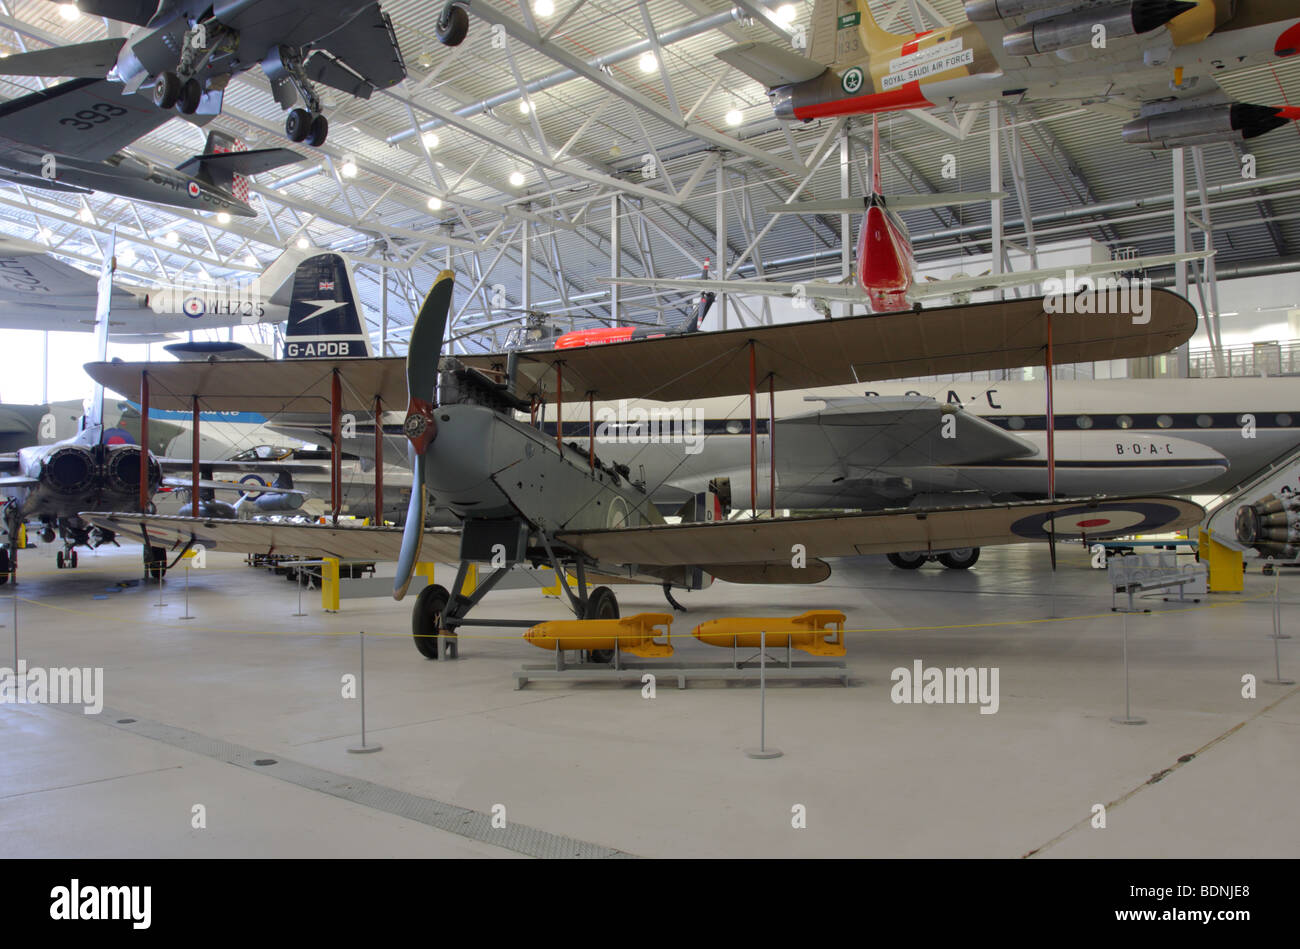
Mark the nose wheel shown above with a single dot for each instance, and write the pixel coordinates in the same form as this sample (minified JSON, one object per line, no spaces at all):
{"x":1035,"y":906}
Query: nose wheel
{"x":66,"y":558}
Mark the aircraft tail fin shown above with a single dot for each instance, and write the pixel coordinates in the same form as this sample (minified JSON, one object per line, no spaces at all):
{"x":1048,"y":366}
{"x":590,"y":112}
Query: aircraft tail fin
{"x":846,"y":32}
{"x":325,"y":317}
{"x":227,"y":164}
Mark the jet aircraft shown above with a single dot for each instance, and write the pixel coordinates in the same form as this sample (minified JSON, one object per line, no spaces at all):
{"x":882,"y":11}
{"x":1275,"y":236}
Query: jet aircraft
{"x":1158,"y":59}
{"x":188,"y":50}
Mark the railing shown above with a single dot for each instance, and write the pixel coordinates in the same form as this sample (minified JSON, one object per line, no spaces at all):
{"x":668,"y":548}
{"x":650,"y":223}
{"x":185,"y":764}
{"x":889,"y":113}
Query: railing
{"x":1257,"y":359}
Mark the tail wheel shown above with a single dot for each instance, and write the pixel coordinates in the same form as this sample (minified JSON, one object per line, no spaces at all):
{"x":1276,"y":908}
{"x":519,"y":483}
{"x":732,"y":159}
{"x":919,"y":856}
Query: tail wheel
{"x":190,"y":96}
{"x":453,"y":26}
{"x":601,"y":604}
{"x":426,"y":619}
{"x":297,"y":125}
{"x":907,"y":560}
{"x":166,"y":90}
{"x":961,"y":559}
{"x":319,"y":131}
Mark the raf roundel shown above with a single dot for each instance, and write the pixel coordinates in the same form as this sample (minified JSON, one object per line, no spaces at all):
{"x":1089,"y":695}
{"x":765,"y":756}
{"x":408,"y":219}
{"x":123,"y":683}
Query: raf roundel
{"x":193,"y":189}
{"x":1099,"y":520}
{"x":193,"y":307}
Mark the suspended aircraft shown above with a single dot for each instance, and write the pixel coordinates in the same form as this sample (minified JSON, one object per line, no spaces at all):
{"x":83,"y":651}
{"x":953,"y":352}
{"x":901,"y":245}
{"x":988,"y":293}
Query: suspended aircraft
{"x":69,"y":137}
{"x":188,"y":50}
{"x":1158,"y":60}
{"x":526,"y":498}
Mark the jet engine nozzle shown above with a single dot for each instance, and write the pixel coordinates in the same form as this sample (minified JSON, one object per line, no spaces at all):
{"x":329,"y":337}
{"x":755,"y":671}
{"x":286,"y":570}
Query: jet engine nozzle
{"x":122,"y":471}
{"x":1271,"y":525}
{"x":1080,"y":27}
{"x":69,"y":470}
{"x":978,"y":11}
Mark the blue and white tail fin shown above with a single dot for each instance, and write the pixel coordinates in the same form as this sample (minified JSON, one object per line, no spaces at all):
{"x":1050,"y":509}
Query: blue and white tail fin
{"x":325,"y":317}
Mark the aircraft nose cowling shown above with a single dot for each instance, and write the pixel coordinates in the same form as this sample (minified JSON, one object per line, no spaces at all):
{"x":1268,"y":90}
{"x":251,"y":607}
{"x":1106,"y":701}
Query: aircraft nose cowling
{"x":469,"y":453}
{"x":68,"y":470}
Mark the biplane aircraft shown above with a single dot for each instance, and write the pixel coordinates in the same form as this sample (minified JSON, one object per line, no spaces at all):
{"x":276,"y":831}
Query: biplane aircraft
{"x":527,"y":498}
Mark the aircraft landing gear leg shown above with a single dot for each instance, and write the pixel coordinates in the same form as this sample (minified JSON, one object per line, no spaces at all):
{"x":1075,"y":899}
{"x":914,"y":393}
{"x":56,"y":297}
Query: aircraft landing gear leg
{"x":438,"y":613}
{"x":302,"y":124}
{"x":668,"y":595}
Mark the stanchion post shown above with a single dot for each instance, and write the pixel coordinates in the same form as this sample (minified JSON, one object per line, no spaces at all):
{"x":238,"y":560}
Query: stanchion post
{"x":187,"y":589}
{"x":762,"y":751}
{"x":1127,"y":718}
{"x":160,"y":580}
{"x":1277,"y":637}
{"x":363,"y":748}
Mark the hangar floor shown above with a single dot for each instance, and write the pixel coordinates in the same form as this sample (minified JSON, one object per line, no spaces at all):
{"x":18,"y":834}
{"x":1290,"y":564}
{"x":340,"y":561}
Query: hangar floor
{"x":598,"y":769}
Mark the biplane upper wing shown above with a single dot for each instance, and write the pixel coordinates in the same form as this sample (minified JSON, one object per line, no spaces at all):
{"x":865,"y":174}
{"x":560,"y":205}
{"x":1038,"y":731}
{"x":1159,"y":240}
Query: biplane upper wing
{"x":774,"y":540}
{"x":271,"y":537}
{"x":847,"y":351}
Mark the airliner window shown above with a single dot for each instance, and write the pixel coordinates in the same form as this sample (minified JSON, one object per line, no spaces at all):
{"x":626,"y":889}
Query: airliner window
{"x":1124,"y":421}
{"x":1283,"y":421}
{"x":1204,"y":421}
{"x":1016,"y":422}
{"x":1084,"y":421}
{"x":1164,"y":421}
{"x":734,"y":427}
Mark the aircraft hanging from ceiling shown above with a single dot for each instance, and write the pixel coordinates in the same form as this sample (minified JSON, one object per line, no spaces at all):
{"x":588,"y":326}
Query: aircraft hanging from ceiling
{"x":524,"y":497}
{"x":885,"y":265}
{"x":1155,"y":59}
{"x":188,"y":50}
{"x":70,"y":137}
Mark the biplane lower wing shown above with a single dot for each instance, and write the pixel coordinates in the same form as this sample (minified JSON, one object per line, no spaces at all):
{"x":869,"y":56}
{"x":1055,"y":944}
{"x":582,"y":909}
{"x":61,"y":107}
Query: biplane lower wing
{"x":276,"y":537}
{"x":777,"y":540}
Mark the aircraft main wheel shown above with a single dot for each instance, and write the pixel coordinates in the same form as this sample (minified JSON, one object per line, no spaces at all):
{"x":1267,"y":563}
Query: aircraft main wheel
{"x":453,"y":26}
{"x":907,"y":560}
{"x":297,"y":125}
{"x":58,"y":560}
{"x":190,"y":97}
{"x":5,"y":564}
{"x":426,"y":619}
{"x":166,"y":90}
{"x":601,"y":604}
{"x":961,"y":559}
{"x":320,"y":130}
{"x":72,"y":558}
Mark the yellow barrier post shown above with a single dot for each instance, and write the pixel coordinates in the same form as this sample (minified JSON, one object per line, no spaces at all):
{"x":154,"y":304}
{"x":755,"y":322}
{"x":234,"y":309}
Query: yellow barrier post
{"x":329,"y":584}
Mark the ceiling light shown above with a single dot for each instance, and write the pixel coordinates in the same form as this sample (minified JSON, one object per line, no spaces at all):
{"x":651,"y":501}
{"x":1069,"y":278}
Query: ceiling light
{"x":171,"y":237}
{"x":430,"y":140}
{"x":223,"y":217}
{"x":69,"y":11}
{"x":252,"y":261}
{"x":435,"y":203}
{"x":45,"y":234}
{"x":734,"y":117}
{"x":785,"y":14}
{"x":543,"y":7}
{"x":303,"y":243}
{"x":516,"y":178}
{"x":648,"y":62}
{"x":85,"y":215}
{"x":349,"y":169}
{"x":524,"y":107}
{"x":425,"y":60}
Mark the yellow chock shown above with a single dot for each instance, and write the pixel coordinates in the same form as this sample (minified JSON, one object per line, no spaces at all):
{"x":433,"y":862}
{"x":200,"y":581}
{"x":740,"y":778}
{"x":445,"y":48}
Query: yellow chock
{"x":1226,"y":566}
{"x":634,"y":635}
{"x":329,"y":584}
{"x":807,"y":632}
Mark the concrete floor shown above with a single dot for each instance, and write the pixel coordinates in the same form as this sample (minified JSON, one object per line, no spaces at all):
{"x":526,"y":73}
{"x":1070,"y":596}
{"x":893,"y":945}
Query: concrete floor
{"x":603,"y":766}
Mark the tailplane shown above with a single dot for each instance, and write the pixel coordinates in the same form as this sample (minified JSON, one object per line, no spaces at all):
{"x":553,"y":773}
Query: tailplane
{"x":226,"y":164}
{"x":325,"y":318}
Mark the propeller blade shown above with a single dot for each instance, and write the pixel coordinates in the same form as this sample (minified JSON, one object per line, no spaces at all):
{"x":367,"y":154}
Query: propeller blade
{"x":422,"y":356}
{"x":413,"y":532}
